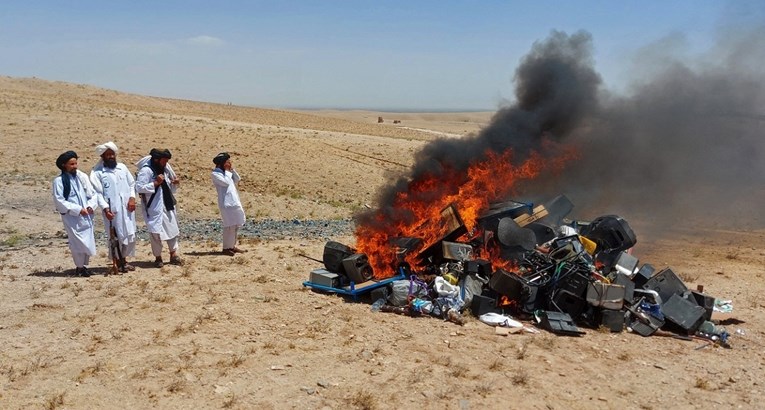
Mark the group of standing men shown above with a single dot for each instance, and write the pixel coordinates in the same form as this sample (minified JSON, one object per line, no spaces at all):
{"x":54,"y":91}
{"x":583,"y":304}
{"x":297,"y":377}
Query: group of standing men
{"x":112,"y":188}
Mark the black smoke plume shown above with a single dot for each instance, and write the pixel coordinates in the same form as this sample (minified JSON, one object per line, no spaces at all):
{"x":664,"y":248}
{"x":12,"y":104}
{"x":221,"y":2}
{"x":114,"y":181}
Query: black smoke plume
{"x":685,"y":144}
{"x":685,"y":147}
{"x":556,"y":88}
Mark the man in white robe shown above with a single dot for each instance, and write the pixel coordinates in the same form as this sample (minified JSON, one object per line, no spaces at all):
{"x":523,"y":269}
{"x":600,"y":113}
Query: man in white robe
{"x":156,"y":183}
{"x":75,"y":200}
{"x":115,"y":186}
{"x":225,"y":178}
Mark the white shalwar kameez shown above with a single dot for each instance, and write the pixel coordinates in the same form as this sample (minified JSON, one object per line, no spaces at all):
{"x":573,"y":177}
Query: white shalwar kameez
{"x":79,"y":229}
{"x":161,"y":223}
{"x":115,"y":187}
{"x":230,"y":206}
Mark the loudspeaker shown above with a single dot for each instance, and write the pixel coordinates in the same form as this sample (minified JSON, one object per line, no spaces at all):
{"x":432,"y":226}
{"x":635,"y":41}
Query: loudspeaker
{"x":484,"y":304}
{"x":666,"y":283}
{"x":613,"y":320}
{"x":684,"y":313}
{"x":705,"y":301}
{"x":357,"y":268}
{"x":507,"y":284}
{"x":569,"y":297}
{"x":334,"y":253}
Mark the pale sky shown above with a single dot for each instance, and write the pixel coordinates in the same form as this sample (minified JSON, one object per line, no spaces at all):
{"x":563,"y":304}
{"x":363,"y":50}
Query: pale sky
{"x":394,"y":55}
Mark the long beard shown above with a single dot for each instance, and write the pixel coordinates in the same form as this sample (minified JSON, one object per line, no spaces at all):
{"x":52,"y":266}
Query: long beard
{"x":72,"y":172}
{"x":157,"y":167}
{"x":110,"y":163}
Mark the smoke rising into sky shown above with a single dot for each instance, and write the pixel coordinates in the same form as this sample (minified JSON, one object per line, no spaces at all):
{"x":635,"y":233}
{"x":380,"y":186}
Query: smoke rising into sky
{"x":686,"y":144}
{"x":685,"y":141}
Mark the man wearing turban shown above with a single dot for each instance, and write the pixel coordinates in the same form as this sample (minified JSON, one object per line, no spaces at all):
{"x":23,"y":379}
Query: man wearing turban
{"x":156,"y":183}
{"x":115,"y":186}
{"x":75,"y":200}
{"x":225,"y":178}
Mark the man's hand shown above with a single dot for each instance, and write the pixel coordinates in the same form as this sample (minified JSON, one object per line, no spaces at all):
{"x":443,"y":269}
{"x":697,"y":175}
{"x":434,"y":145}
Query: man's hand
{"x":176,"y":181}
{"x":159,"y":180}
{"x":131,"y":205}
{"x":83,"y":212}
{"x":109,"y":214}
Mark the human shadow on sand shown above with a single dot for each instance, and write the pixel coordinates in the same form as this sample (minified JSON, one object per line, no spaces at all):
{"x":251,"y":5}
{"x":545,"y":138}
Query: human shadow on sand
{"x":206,"y":253}
{"x":58,"y":273}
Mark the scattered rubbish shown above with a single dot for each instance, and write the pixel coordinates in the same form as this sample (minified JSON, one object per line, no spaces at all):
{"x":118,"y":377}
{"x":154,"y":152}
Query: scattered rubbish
{"x":495,"y":319}
{"x":523,"y":262}
{"x":557,"y":322}
{"x":723,"y":306}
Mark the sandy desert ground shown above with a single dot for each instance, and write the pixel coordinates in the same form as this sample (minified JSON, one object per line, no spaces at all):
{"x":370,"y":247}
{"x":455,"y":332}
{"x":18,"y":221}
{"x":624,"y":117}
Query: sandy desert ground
{"x":242,"y":332}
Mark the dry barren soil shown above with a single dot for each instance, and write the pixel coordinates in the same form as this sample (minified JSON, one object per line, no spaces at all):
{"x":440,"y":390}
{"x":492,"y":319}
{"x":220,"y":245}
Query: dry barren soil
{"x":243,"y":332}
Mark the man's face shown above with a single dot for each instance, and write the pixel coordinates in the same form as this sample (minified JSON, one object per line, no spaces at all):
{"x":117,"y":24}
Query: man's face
{"x":163,"y":161}
{"x":71,"y":166}
{"x":110,"y":158}
{"x":227,"y":164}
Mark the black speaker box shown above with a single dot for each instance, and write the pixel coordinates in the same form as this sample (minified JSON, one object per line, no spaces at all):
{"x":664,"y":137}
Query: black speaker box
{"x":685,"y":314}
{"x":570,"y":295}
{"x":507,"y":284}
{"x":357,"y":268}
{"x":566,"y":302}
{"x":334,"y":253}
{"x":666,"y":283}
{"x":484,"y":304}
{"x":705,"y":301}
{"x":613,"y":320}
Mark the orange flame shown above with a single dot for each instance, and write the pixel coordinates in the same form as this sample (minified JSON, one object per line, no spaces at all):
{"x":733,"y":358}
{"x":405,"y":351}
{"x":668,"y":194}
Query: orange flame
{"x":419,"y":208}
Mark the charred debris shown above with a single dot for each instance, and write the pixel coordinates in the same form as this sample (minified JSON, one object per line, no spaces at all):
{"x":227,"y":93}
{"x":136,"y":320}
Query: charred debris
{"x":529,"y":263}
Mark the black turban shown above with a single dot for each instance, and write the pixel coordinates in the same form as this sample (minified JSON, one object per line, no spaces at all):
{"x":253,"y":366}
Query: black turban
{"x":160,"y":153}
{"x":221,"y":159}
{"x":64,"y":158}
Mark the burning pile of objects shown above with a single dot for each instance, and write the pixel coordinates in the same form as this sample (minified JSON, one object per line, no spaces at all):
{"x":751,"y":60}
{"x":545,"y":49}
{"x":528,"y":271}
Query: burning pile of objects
{"x":445,"y":236}
{"x":526,"y":262}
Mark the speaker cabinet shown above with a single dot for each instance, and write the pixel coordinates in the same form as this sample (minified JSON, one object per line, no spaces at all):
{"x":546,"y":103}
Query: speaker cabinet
{"x":357,"y":268}
{"x":334,"y":253}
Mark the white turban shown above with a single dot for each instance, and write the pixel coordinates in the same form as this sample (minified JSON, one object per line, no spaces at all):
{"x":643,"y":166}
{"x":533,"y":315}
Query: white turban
{"x":103,"y":147}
